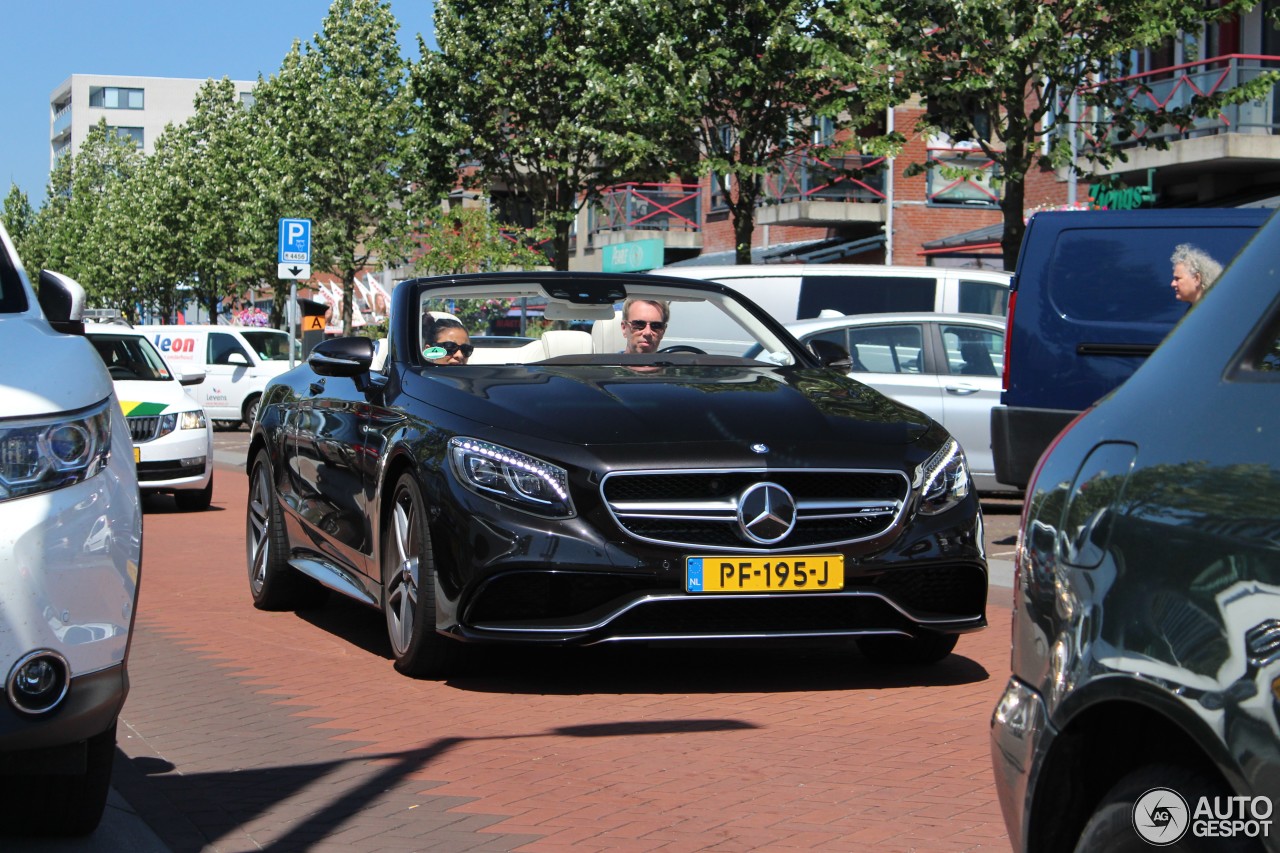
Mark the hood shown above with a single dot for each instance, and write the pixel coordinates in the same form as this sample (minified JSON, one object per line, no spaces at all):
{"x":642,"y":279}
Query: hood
{"x":31,"y":353}
{"x":138,"y":398}
{"x":609,"y":404}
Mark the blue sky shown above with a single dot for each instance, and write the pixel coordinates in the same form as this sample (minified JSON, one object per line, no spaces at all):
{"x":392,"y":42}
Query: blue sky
{"x":46,"y":41}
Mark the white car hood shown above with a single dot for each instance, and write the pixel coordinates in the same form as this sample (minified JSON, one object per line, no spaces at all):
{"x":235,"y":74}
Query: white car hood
{"x":68,"y":375}
{"x":153,"y":398}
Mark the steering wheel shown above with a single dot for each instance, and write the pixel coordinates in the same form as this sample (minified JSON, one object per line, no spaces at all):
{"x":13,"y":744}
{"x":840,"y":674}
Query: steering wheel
{"x":120,"y":372}
{"x":683,"y":348}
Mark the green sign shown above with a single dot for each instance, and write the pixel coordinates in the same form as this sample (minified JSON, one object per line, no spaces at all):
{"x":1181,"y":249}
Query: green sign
{"x":632,"y":256}
{"x":1125,"y":198}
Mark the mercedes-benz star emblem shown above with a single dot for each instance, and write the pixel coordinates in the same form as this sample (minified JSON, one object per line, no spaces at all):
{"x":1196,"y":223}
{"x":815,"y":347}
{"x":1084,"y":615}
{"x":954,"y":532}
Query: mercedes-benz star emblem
{"x":759,"y":447}
{"x":766,"y":513}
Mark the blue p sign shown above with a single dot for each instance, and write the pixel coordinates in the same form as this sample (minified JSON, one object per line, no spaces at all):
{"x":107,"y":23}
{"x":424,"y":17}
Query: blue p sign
{"x":295,"y":241}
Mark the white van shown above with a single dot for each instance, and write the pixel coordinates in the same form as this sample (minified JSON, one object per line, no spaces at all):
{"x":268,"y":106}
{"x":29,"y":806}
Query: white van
{"x":237,"y":361}
{"x":791,"y":292}
{"x":172,"y":435}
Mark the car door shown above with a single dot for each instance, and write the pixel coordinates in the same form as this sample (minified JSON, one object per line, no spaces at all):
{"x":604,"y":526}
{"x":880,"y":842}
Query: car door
{"x":227,"y":365}
{"x":970,"y":386}
{"x":891,"y":358}
{"x":330,"y":471}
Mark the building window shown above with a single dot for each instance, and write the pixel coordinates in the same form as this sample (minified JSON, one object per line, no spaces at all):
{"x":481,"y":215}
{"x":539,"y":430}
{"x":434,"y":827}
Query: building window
{"x":116,"y":98}
{"x":247,"y":100}
{"x":134,"y":133}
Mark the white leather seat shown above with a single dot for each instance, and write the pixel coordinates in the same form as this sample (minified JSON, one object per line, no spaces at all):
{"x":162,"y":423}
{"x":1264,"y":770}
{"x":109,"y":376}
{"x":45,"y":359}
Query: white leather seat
{"x":606,"y":335}
{"x":566,"y":342}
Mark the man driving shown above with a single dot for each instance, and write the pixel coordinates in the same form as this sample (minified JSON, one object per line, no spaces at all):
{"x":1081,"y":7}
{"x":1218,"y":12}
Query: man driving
{"x":644,"y":322}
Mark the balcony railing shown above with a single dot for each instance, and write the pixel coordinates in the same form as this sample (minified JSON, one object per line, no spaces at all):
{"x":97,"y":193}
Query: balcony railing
{"x":647,"y":207}
{"x":1175,"y":87}
{"x":805,"y":176}
{"x":962,"y":176}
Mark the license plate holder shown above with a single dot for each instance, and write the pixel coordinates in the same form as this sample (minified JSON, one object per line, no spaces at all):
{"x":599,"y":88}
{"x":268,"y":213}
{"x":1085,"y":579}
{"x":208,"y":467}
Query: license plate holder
{"x":738,"y":573}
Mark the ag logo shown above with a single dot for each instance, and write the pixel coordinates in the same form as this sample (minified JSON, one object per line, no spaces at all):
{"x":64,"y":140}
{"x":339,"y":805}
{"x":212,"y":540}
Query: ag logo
{"x":1161,"y":816}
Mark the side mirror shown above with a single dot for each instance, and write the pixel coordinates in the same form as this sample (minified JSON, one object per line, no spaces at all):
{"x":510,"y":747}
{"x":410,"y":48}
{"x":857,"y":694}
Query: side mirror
{"x":62,"y":299}
{"x":239,"y":359}
{"x":191,"y":377}
{"x":831,"y":355}
{"x":342,"y":356}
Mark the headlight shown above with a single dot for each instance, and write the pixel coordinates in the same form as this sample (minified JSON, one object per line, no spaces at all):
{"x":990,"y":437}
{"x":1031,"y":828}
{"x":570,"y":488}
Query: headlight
{"x":943,"y":479}
{"x":40,"y":454}
{"x":512,"y":477}
{"x":180,"y":420}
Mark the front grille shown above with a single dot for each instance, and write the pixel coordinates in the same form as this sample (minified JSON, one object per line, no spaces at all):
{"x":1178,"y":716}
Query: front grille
{"x":700,"y":509}
{"x":951,"y":589}
{"x":144,"y":429}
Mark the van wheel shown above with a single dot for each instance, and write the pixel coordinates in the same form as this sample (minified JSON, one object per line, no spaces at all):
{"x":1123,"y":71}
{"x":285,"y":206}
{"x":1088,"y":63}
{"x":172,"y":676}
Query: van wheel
{"x":250,"y":409}
{"x":60,"y":805}
{"x":192,"y":500}
{"x":922,"y":649}
{"x":273,"y":583}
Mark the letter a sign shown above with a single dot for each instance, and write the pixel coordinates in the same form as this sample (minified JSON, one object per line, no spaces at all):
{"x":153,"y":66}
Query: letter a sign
{"x":294,"y":260}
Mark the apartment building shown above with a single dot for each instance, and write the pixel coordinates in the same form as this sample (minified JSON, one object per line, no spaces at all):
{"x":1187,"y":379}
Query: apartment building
{"x":137,"y":107}
{"x":1228,"y":160}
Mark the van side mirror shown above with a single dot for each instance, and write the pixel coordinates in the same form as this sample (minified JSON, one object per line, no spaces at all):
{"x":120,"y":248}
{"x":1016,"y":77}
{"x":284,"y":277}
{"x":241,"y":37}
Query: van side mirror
{"x":62,"y":299}
{"x":831,"y":355}
{"x":237,"y":358}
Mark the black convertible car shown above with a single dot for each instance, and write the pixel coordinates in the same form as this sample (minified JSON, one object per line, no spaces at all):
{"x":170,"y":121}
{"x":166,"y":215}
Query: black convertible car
{"x":570,"y":490}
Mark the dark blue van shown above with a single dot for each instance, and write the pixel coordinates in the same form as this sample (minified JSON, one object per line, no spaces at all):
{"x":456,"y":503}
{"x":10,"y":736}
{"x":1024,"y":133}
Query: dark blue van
{"x":1090,"y":300}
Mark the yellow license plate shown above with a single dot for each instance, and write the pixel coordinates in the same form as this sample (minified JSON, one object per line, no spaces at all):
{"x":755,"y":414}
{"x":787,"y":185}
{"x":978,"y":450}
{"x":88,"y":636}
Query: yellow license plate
{"x":137,"y":455}
{"x":799,"y":573}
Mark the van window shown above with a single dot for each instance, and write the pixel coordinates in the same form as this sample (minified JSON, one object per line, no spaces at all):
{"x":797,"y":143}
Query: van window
{"x":983,"y":297}
{"x":221,"y":346}
{"x":1087,"y":264}
{"x":887,"y":349}
{"x":870,"y":294}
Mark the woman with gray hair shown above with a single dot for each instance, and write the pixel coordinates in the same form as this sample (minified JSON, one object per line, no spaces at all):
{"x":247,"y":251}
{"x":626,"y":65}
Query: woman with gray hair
{"x":1193,"y":272}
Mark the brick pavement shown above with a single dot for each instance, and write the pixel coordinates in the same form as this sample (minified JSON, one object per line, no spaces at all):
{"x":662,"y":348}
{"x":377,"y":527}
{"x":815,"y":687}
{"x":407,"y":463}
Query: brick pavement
{"x":247,"y":730}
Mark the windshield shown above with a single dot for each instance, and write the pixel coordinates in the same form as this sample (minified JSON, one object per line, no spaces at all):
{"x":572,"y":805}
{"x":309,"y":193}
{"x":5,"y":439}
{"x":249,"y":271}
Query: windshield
{"x":131,"y":357}
{"x":592,"y":321}
{"x":272,"y":344}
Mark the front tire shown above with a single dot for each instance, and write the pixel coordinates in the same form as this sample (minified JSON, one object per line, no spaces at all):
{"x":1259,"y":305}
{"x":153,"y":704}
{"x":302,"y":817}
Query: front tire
{"x":920,"y":650}
{"x":193,"y":500}
{"x":1111,"y":828}
{"x":273,"y":583}
{"x":249,"y":410}
{"x":409,"y":589}
{"x":60,"y":805}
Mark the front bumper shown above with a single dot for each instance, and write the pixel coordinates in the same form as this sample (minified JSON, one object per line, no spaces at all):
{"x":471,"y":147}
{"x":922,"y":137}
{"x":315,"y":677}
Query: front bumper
{"x":1019,"y":729}
{"x":182,"y":459}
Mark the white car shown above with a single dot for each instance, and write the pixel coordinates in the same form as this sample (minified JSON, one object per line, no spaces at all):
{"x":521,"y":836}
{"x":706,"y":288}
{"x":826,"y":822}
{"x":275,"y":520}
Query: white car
{"x":172,"y":437}
{"x":946,"y":365}
{"x":69,"y":558}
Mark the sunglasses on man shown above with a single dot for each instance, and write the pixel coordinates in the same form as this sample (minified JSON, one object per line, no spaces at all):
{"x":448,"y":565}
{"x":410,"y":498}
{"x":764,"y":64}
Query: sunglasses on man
{"x":657,"y":325}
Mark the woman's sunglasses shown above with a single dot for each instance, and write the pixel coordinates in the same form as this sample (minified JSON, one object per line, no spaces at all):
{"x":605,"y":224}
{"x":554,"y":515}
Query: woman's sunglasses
{"x":657,"y":325}
{"x":452,"y":347}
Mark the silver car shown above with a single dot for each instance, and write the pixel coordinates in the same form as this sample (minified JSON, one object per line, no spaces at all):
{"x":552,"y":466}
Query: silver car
{"x":946,"y":365}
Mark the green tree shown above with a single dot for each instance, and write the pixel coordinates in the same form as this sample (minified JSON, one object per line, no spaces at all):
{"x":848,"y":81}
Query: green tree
{"x":1000,"y":72}
{"x":18,"y":217}
{"x":340,"y":111}
{"x":759,"y":83}
{"x":466,"y":240}
{"x":84,"y":227}
{"x":547,"y":101}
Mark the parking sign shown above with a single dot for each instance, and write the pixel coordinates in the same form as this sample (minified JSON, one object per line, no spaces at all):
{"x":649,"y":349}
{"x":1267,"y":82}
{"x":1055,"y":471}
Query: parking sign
{"x":295,"y":241}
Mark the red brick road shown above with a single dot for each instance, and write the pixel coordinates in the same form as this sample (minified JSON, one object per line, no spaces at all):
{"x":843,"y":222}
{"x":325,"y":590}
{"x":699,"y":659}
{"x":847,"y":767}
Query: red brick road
{"x":279,"y":731}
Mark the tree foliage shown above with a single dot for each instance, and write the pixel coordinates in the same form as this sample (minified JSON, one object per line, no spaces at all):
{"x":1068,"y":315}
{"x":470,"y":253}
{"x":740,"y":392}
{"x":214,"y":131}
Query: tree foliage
{"x":546,"y":101}
{"x":749,"y":80}
{"x":1000,"y":72}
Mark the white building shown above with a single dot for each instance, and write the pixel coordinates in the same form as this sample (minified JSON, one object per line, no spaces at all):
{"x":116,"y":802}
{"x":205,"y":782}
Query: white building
{"x":139,"y":107}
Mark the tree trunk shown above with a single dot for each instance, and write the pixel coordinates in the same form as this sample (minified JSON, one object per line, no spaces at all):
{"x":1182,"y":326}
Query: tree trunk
{"x":743,"y":212}
{"x":1011,"y":205}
